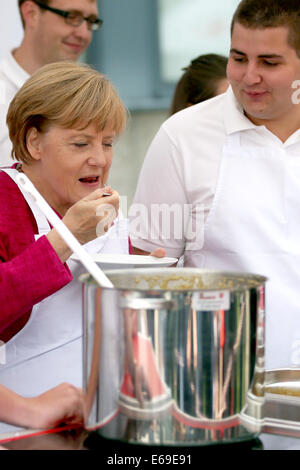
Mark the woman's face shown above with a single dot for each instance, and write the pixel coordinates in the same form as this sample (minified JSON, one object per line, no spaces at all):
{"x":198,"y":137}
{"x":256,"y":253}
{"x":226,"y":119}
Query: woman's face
{"x":69,"y":164}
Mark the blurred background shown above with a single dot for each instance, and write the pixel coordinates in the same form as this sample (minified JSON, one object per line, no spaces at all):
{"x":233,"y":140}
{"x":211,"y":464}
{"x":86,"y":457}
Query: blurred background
{"x":142,"y":47}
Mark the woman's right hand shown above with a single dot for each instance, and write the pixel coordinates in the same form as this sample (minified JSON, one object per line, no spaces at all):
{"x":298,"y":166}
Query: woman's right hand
{"x":93,"y":215}
{"x":87,"y":219}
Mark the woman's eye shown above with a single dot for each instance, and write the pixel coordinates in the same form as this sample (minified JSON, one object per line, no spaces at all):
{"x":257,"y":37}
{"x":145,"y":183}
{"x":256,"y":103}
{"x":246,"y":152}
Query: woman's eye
{"x":80,"y":144}
{"x":107,"y":144}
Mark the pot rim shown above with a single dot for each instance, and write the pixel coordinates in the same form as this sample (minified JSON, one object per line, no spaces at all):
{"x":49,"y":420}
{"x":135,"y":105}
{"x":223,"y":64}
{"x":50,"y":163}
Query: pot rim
{"x":254,"y":280}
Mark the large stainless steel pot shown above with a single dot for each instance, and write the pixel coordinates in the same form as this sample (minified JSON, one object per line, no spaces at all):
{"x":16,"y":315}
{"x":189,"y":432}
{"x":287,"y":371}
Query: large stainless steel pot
{"x":172,"y":356}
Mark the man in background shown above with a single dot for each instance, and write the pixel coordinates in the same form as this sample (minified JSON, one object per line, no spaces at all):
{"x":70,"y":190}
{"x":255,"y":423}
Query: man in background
{"x":54,"y":30}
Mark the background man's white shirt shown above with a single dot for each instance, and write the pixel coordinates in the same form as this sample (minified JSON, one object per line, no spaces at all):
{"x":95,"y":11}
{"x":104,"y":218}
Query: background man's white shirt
{"x":12,"y":77}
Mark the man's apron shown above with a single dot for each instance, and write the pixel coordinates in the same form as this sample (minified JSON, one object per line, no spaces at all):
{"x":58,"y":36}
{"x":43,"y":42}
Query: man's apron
{"x":48,"y":350}
{"x":254,"y":226}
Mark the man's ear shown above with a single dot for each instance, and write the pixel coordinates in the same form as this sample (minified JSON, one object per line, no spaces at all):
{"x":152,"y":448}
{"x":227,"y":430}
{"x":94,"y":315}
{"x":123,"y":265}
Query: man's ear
{"x":29,"y":12}
{"x":33,"y":143}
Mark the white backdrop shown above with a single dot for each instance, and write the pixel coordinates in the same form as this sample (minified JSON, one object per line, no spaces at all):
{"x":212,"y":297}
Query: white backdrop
{"x":10,"y":26}
{"x":203,"y":27}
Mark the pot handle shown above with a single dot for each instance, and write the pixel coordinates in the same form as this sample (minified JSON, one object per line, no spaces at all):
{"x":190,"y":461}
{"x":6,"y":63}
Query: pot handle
{"x":139,"y":303}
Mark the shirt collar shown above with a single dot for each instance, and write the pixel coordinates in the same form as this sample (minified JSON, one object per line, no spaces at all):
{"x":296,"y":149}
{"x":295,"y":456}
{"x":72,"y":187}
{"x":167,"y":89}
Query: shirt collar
{"x":234,"y":117}
{"x":14,"y":71}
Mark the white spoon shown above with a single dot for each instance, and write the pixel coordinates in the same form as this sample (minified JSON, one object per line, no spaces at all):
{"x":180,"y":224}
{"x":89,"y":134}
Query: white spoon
{"x":25,"y":183}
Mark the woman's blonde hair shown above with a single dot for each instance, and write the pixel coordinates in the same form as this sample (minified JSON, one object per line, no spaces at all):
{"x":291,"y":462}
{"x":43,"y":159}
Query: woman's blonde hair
{"x":66,"y":94}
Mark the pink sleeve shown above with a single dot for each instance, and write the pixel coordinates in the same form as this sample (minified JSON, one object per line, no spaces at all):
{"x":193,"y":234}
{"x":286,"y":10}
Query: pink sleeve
{"x":29,"y":278}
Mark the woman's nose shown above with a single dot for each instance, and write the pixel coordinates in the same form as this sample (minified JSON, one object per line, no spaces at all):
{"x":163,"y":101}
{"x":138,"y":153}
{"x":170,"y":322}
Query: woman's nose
{"x":98,"y":158}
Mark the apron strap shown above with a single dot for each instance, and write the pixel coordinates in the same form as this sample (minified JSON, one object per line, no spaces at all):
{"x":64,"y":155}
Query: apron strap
{"x":42,"y":223}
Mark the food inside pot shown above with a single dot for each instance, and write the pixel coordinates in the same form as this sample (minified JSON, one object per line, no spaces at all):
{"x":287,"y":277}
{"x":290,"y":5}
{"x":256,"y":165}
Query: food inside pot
{"x":191,"y":282}
{"x":292,"y":390}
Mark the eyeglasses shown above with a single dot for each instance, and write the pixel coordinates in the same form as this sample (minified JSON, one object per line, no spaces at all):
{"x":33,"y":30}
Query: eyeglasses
{"x":74,"y":18}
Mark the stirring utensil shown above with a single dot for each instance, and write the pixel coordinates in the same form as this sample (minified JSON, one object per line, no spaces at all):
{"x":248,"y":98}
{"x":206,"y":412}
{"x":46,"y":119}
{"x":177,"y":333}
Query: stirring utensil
{"x":25,"y":183}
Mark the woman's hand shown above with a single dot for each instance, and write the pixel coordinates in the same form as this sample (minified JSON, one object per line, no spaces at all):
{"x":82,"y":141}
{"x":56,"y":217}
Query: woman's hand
{"x":89,"y":218}
{"x":84,"y":217}
{"x":158,"y":253}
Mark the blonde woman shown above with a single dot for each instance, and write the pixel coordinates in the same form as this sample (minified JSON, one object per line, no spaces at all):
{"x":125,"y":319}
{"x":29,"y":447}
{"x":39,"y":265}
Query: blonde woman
{"x":63,"y":123}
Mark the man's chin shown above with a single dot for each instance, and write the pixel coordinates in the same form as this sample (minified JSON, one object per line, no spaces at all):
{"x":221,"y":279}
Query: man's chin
{"x":257,"y":116}
{"x":73,"y":57}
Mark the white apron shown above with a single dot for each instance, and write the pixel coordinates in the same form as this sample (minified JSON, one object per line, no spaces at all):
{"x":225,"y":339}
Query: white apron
{"x":254,"y":226}
{"x":48,"y":350}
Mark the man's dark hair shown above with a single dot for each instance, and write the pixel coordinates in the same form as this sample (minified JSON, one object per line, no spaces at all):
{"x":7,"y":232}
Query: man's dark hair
{"x":20,"y":2}
{"x":259,"y":14}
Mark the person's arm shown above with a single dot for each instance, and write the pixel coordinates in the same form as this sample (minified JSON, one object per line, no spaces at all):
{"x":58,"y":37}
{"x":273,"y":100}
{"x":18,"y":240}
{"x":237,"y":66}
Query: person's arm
{"x":28,"y":278}
{"x":138,"y":251}
{"x":60,"y":405}
{"x":39,"y":270}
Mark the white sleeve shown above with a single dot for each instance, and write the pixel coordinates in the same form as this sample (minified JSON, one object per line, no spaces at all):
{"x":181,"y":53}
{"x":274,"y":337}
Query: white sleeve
{"x":157,"y":216}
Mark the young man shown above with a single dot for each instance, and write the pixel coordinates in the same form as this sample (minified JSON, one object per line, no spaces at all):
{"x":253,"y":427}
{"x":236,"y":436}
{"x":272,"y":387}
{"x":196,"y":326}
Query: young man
{"x":234,"y":163}
{"x":54,"y":30}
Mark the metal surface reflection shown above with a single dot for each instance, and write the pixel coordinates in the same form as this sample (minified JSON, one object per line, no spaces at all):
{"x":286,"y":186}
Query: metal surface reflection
{"x":173,"y":365}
